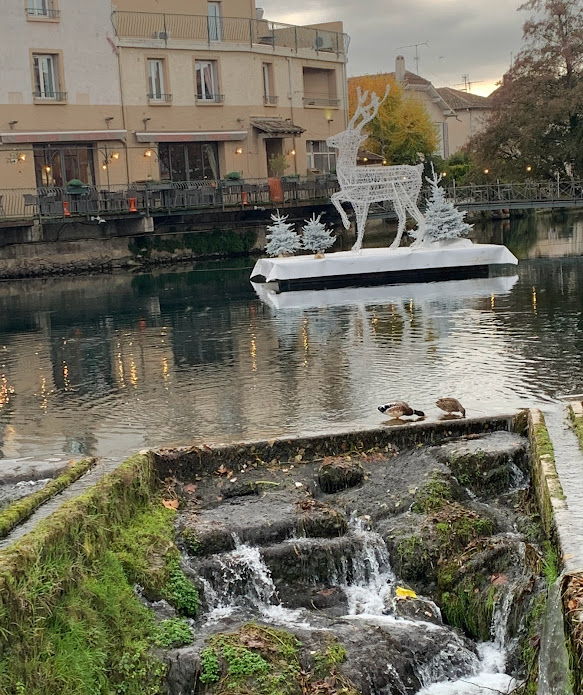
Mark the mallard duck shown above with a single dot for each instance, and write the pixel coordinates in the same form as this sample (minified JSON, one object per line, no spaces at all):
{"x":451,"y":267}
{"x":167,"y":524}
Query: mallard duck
{"x":399,"y":409}
{"x":451,"y":405}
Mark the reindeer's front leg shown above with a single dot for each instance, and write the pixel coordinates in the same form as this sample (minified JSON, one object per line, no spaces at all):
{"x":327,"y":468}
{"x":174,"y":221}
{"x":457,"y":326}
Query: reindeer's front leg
{"x":336,"y":198}
{"x":402,"y":215}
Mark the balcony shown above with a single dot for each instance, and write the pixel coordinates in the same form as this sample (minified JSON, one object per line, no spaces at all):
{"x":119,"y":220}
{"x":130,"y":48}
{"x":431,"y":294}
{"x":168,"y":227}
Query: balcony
{"x":160,"y":98}
{"x":42,"y":13}
{"x":320,"y":100}
{"x":210,"y":98}
{"x":270,"y":100}
{"x":53,"y":96}
{"x":200,"y":29}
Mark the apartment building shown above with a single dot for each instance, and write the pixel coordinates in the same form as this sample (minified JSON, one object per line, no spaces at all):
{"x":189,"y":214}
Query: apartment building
{"x":169,"y":90}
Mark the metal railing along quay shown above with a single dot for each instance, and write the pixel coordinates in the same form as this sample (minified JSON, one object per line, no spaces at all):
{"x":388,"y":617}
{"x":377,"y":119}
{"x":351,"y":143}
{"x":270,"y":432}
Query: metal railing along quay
{"x":529,"y":194}
{"x":161,"y":197}
{"x":164,"y":27}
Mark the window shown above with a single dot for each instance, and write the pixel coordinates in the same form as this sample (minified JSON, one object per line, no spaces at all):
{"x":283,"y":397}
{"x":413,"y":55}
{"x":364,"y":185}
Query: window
{"x":214,"y":21}
{"x":42,"y":8}
{"x":156,"y":90}
{"x":320,"y":156}
{"x":320,"y":87}
{"x":46,"y":78}
{"x":207,"y":82}
{"x":268,"y":95}
{"x":193,"y":161}
{"x":55,"y":165}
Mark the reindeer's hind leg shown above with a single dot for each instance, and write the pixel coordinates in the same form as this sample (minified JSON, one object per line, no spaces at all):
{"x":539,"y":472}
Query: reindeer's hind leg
{"x":361,"y":213}
{"x":402,"y":215}
{"x":336,"y":198}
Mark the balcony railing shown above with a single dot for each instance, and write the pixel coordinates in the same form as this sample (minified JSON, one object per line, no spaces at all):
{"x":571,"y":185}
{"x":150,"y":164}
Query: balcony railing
{"x":43,"y":12}
{"x":320,"y":100}
{"x":147,"y":198}
{"x":50,"y":96}
{"x":210,"y":30}
{"x":270,"y":100}
{"x":210,"y":98}
{"x":161,"y":98}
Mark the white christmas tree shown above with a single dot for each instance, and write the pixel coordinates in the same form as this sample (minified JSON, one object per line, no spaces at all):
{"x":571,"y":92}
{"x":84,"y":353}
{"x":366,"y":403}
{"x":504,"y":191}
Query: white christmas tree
{"x":442,"y":219}
{"x":316,"y":237}
{"x":283,"y":239}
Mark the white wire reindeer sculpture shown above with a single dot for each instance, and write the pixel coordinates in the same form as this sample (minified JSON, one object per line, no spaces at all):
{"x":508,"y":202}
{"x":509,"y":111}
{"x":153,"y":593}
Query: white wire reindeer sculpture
{"x":362,"y":185}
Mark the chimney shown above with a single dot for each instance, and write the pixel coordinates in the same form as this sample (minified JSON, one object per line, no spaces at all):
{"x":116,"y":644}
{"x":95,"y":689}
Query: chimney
{"x":400,"y":70}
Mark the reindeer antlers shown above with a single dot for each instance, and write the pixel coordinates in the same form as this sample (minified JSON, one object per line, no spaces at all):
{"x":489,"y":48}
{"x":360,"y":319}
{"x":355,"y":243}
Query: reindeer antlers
{"x":368,"y":112}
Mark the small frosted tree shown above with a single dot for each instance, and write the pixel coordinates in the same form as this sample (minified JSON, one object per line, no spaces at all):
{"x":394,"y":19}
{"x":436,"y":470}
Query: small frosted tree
{"x":442,"y":219}
{"x":316,"y":237}
{"x":283,"y":239}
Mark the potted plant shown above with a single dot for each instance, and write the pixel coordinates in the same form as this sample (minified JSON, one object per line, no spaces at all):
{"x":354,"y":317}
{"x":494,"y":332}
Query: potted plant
{"x":277,"y":165}
{"x":76,"y":186}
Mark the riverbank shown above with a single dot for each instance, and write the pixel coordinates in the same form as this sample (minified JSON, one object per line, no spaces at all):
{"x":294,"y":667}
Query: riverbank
{"x":95,"y":249}
{"x":132,"y":644}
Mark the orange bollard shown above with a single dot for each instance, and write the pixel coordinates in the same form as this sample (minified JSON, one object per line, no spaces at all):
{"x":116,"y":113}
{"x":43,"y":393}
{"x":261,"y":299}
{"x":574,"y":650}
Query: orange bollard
{"x":244,"y":198}
{"x":66,"y":208}
{"x":132,"y":202}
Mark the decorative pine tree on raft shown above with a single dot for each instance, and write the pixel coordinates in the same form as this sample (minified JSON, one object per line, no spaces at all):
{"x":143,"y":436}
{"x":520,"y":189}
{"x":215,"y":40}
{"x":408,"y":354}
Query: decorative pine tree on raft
{"x":316,"y":237}
{"x":442,"y":219}
{"x":283,"y":240}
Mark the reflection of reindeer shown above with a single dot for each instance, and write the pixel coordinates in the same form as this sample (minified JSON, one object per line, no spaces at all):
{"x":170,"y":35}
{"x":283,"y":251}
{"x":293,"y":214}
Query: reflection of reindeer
{"x":361,"y":186}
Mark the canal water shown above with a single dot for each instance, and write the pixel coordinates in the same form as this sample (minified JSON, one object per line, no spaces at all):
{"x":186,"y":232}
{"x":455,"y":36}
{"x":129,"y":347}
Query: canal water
{"x":110,"y":364}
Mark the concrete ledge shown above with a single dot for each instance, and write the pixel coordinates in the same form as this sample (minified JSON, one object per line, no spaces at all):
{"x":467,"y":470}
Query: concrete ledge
{"x":185,"y":462}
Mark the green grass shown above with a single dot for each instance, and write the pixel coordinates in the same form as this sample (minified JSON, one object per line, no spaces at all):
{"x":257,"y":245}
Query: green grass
{"x":70,"y":622}
{"x":17,"y":512}
{"x":577,"y":425}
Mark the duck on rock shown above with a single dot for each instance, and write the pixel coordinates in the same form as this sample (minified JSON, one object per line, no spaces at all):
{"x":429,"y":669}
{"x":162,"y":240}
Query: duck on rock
{"x":400,"y":409}
{"x":451,"y":405}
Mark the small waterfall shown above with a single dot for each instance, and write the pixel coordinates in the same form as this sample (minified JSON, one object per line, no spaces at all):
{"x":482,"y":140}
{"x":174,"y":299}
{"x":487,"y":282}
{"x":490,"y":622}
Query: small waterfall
{"x":553,"y":662}
{"x":368,"y":586}
{"x":243,"y":580}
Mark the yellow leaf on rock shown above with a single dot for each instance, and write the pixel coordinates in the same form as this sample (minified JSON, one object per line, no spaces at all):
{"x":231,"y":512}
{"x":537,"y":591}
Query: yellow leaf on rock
{"x":405,"y":593}
{"x":170,"y":504}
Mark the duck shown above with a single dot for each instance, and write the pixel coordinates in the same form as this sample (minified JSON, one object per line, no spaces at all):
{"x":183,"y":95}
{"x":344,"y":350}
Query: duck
{"x":399,"y":409}
{"x":450,"y":405}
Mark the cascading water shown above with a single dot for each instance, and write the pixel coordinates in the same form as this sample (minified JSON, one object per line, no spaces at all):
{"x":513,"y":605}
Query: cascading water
{"x":243,"y":580}
{"x":239,"y":581}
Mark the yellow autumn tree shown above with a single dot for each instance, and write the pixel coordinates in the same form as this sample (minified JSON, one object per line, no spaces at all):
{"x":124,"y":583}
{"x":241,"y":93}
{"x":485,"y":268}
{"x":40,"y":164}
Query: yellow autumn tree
{"x":402,"y":128}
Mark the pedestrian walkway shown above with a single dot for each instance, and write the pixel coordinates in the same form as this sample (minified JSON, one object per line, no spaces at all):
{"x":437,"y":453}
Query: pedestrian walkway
{"x":569,"y":465}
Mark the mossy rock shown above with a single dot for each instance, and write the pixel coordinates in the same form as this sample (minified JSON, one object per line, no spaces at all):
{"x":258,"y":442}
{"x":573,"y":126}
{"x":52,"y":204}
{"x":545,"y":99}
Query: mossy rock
{"x":322,"y":521}
{"x":339,"y":474}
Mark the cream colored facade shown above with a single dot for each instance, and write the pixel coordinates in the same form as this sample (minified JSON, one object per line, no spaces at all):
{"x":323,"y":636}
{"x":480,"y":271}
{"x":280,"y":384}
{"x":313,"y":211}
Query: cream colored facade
{"x":144,"y":89}
{"x":456,"y":115}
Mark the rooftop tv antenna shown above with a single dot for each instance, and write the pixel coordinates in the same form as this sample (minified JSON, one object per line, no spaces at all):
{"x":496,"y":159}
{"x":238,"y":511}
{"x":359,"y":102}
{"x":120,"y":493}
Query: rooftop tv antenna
{"x":416,"y":47}
{"x":467,"y":83}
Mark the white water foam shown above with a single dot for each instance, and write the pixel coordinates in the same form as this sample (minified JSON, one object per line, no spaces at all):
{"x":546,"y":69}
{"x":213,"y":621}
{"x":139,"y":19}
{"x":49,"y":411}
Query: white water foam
{"x":245,"y":582}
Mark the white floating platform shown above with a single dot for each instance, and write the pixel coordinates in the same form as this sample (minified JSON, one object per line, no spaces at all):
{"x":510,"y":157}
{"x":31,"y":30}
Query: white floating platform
{"x":447,"y":292}
{"x":454,"y":260}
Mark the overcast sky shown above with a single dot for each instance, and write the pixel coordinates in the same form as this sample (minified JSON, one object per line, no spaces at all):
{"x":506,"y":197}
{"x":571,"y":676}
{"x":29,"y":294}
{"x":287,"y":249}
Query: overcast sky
{"x":474,"y":37}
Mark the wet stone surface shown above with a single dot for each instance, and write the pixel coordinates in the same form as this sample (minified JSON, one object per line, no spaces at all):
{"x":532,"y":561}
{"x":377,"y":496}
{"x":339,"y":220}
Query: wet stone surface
{"x":365,"y":563}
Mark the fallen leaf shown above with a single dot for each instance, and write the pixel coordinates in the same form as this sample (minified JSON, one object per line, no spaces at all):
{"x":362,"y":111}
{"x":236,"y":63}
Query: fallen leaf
{"x":401,"y":592}
{"x":170,"y":504}
{"x":499,"y":579}
{"x":572,"y":604}
{"x":233,"y":480}
{"x":223,"y":470}
{"x":326,"y":592}
{"x":191,"y":487}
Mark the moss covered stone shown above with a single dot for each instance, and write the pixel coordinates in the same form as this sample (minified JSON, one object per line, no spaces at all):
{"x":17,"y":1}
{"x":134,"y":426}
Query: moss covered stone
{"x":339,"y":473}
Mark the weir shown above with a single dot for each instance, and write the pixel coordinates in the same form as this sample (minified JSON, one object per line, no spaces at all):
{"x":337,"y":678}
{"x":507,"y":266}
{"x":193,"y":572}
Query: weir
{"x":409,"y":553}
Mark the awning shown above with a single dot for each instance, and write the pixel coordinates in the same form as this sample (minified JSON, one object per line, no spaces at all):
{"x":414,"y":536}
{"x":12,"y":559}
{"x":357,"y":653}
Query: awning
{"x":195,"y":136}
{"x":15,"y":137}
{"x":276,"y":126}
